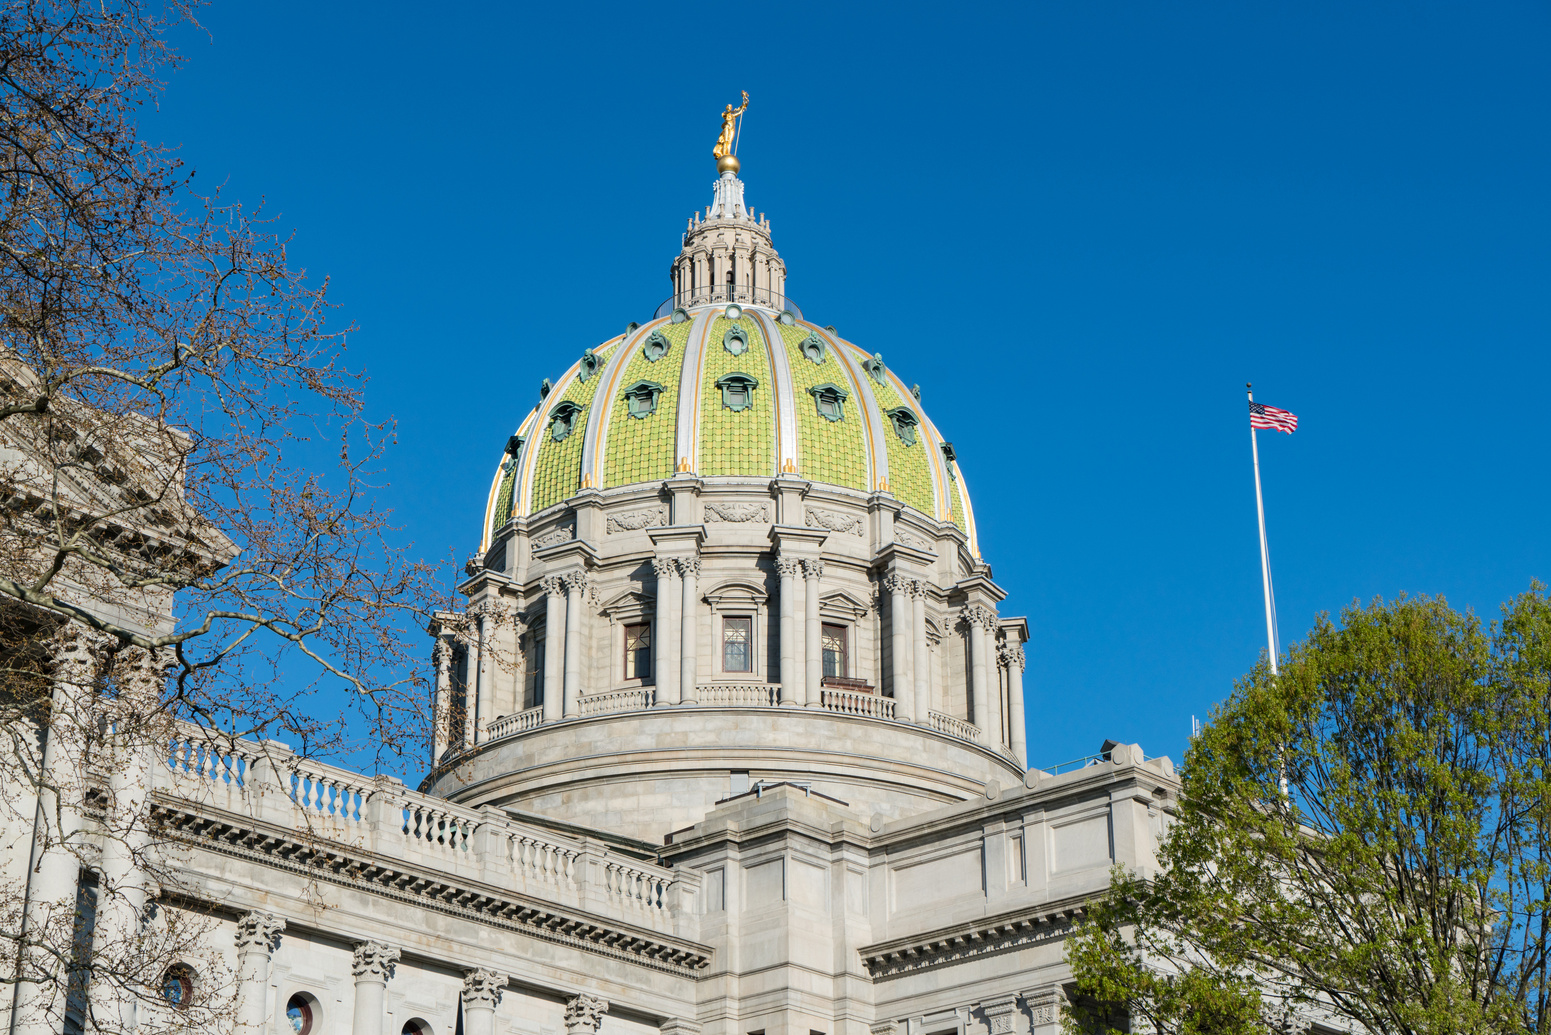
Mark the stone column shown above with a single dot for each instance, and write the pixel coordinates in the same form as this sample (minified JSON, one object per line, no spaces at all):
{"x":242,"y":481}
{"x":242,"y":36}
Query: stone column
{"x":481,"y":993}
{"x":554,"y":647}
{"x":813,"y":639}
{"x":904,"y":691}
{"x":979,"y":621}
{"x":372,"y":967}
{"x":1011,"y":656}
{"x":258,"y":936}
{"x":584,"y":1014}
{"x":481,"y":672}
{"x":923,"y":662}
{"x":791,"y":688}
{"x":441,"y":699}
{"x":48,"y":920}
{"x":1045,"y":1009}
{"x":665,"y":658}
{"x":575,"y":584}
{"x":137,"y":732}
{"x":1000,"y":1014}
{"x":689,"y":651}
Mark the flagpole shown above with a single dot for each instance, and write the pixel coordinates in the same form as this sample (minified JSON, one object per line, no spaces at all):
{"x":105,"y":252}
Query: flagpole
{"x":1265,"y":552}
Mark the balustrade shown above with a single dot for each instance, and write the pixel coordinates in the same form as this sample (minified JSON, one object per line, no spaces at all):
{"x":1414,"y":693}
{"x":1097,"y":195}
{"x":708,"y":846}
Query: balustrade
{"x":633,"y":699}
{"x":848,"y":702}
{"x":953,"y":727}
{"x":745,"y":695}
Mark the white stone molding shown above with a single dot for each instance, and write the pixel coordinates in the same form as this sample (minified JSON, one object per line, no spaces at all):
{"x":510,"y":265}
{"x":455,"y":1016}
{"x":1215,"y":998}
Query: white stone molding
{"x":584,"y":1014}
{"x":884,"y":1028}
{"x":678,"y":1026}
{"x":1048,"y":923}
{"x":373,"y":960}
{"x":911,"y":540}
{"x":835,"y":521}
{"x":738,"y":513}
{"x":1000,"y":1013}
{"x":562,"y":533}
{"x":483,"y":988}
{"x":635,"y":520}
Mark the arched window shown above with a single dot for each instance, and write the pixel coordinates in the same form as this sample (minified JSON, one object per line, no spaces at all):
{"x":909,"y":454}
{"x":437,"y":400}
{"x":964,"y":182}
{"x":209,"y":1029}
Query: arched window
{"x":641,"y":399}
{"x":301,"y":1012}
{"x":905,"y":423}
{"x":562,"y":420}
{"x":178,"y":986}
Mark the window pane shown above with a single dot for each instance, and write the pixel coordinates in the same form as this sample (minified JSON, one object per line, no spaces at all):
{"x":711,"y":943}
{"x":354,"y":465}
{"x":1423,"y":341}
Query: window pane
{"x":736,"y":636}
{"x":638,"y":651}
{"x":834,"y":642}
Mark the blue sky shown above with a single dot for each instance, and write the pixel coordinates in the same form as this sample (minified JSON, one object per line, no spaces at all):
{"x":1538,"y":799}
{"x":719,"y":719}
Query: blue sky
{"x":1081,"y":227}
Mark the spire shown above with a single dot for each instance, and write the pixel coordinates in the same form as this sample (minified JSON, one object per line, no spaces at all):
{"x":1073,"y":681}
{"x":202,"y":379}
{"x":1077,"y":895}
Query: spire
{"x":727,"y":254}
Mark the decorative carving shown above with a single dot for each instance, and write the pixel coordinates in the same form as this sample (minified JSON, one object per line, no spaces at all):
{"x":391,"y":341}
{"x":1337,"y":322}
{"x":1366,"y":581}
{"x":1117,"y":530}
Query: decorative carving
{"x":736,"y":340}
{"x":553,"y":585}
{"x":875,"y":368}
{"x":1008,"y":655}
{"x":575,"y":581}
{"x":974,"y":615}
{"x":374,"y":960}
{"x":921,"y":588}
{"x":813,"y":567}
{"x":689,"y":567}
{"x":441,"y":653}
{"x":999,"y":1014}
{"x":835,"y":521}
{"x":885,"y":1028}
{"x":584,"y":1013}
{"x":656,"y":346}
{"x":814,"y":348}
{"x":635,"y":520}
{"x":482,"y":988}
{"x":259,"y":932}
{"x":1045,"y":1005}
{"x":78,"y":653}
{"x":664,"y":568}
{"x":589,"y":365}
{"x":561,"y":533}
{"x":896,"y":583}
{"x":788,"y":567}
{"x":736,"y":512}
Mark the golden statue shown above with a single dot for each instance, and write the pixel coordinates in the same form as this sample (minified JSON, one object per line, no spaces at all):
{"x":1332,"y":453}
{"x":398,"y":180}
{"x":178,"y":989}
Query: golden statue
{"x":724,"y":143}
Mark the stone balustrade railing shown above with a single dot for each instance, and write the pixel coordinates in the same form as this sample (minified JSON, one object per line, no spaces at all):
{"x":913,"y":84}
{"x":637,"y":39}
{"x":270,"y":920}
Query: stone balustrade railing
{"x":517,"y":722}
{"x":851,"y":702}
{"x":742,"y":695}
{"x":953,"y":727}
{"x":318,"y":802}
{"x":631,"y":700}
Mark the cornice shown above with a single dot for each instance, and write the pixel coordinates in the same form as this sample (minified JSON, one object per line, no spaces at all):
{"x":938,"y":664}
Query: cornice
{"x":1032,"y":925}
{"x":239,"y":836}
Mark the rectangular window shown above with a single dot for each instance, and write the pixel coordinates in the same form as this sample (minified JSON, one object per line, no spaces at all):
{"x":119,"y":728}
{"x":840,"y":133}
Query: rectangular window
{"x":737,"y":644}
{"x":533,"y":671}
{"x":835,"y":660}
{"x":638,"y":651}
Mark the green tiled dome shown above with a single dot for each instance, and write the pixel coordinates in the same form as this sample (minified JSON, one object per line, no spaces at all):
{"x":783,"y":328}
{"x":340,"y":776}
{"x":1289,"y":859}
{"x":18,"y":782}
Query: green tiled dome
{"x":725,"y":393}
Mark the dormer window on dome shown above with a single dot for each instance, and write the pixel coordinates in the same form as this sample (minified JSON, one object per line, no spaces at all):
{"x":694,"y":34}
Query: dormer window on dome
{"x":904,"y":422}
{"x":831,"y":401}
{"x":656,"y":346}
{"x":815,"y":348}
{"x":736,"y":340}
{"x":737,"y":391}
{"x":562,"y":420}
{"x":641,"y":399}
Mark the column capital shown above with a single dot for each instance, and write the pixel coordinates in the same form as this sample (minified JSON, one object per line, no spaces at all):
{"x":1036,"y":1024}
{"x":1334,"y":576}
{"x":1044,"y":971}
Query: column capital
{"x":575,"y":581}
{"x":1009,"y":655}
{"x":999,"y":1013}
{"x":974,"y":614}
{"x":584,"y":1014}
{"x":920,"y":588}
{"x":259,"y":932}
{"x":688,"y":566}
{"x":787,"y":566}
{"x":553,"y":585}
{"x":79,"y":652}
{"x":665,"y":567}
{"x":483,"y":988}
{"x":894,"y":582}
{"x":374,"y":960}
{"x":1045,"y":1004}
{"x":813,"y":567}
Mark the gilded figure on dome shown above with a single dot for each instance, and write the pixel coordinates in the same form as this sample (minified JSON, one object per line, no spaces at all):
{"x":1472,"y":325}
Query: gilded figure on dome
{"x":730,"y":116}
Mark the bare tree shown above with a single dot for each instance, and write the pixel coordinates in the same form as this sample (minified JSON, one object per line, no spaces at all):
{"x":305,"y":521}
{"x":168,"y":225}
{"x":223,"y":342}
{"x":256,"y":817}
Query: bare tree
{"x":187,"y":525}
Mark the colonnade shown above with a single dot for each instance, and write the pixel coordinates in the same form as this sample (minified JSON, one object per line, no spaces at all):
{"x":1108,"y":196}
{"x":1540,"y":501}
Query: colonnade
{"x":373,"y":965}
{"x":676,"y":650}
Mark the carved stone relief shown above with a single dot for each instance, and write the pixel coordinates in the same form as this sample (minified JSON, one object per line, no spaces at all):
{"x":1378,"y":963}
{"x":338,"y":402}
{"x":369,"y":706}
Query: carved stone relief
{"x":836,"y":521}
{"x":561,"y":533}
{"x":635,"y":520}
{"x":736,"y":512}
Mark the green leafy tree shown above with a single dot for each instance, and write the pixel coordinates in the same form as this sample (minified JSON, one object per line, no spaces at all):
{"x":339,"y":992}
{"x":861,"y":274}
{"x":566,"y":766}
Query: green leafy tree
{"x":1361,"y":841}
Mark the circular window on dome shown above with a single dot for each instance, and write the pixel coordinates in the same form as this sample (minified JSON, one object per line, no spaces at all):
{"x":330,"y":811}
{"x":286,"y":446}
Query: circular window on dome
{"x":736,"y":340}
{"x":301,"y":1013}
{"x":416,"y":1026}
{"x":733,"y":311}
{"x":178,"y":987}
{"x":814,"y":348}
{"x":656,"y":346}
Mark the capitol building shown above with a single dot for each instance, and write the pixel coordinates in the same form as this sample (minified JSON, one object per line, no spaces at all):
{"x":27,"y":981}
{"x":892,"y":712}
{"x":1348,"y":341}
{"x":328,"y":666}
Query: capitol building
{"x":729,"y":735}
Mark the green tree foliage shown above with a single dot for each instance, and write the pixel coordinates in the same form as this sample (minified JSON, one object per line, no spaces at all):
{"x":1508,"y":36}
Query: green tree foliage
{"x":1362,"y":839}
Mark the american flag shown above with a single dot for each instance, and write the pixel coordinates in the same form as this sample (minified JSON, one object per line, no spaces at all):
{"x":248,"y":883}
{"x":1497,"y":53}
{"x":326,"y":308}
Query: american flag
{"x":1263,"y":416}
